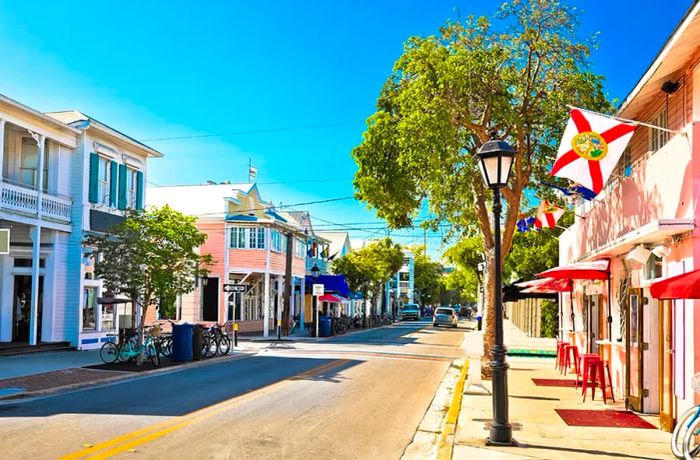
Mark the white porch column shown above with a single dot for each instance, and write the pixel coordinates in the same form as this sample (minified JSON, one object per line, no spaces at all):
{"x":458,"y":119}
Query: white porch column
{"x":302,"y":304}
{"x":36,"y":240}
{"x":266,"y":294}
{"x":227,"y":244}
{"x":280,"y":291}
{"x":2,"y":148}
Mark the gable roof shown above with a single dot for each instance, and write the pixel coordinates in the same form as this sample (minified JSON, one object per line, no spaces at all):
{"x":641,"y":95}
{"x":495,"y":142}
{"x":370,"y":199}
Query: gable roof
{"x":338,"y":240}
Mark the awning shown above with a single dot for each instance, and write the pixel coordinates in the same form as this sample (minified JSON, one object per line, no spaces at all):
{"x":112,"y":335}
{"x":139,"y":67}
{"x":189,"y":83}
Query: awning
{"x":550,"y":285}
{"x":513,"y":293}
{"x":685,"y":286}
{"x":596,"y":270}
{"x":330,"y":298}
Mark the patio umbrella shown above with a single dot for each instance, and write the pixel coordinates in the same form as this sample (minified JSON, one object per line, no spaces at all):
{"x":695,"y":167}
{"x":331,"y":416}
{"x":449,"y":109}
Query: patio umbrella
{"x":684,"y":286}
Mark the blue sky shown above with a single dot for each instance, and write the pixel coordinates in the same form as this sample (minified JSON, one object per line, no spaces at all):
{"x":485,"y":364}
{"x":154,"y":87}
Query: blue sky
{"x":179,"y":68}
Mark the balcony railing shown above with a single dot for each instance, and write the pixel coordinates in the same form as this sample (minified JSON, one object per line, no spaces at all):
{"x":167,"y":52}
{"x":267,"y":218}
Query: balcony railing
{"x":26,"y":201}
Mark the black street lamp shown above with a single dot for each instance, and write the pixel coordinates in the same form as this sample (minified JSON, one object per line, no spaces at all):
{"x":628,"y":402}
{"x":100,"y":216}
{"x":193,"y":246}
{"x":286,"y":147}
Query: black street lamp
{"x":315,"y":272}
{"x":495,"y":162}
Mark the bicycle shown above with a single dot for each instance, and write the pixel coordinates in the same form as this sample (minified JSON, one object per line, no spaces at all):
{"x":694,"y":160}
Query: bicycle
{"x":689,"y":426}
{"x":112,"y":352}
{"x":219,"y":340}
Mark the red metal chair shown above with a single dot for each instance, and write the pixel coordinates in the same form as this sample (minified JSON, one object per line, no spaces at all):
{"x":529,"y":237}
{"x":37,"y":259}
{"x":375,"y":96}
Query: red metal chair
{"x":588,"y":365}
{"x":571,"y":358}
{"x":559,"y":362}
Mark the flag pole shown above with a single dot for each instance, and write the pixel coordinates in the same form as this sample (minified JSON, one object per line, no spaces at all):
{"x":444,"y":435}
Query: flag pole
{"x":640,"y":123}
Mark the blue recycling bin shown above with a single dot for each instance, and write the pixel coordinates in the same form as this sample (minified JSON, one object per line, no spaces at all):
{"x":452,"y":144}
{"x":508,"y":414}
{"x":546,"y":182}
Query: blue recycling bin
{"x":324,"y":326}
{"x":182,"y":342}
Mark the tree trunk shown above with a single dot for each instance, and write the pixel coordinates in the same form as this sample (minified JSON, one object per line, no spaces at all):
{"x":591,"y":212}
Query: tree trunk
{"x":489,"y":326}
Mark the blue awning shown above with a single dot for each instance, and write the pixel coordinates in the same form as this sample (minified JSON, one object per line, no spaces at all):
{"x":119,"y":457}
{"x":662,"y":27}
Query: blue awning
{"x":331,"y":283}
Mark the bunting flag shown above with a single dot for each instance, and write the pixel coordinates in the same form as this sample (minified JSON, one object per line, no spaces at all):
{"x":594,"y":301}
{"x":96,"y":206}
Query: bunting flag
{"x":590,"y":148}
{"x":547,"y":215}
{"x":574,"y":190}
{"x":525,"y":223}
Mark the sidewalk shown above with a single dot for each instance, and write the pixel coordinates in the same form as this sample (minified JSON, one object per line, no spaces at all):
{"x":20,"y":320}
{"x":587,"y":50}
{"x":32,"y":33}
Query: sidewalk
{"x":538,"y":429}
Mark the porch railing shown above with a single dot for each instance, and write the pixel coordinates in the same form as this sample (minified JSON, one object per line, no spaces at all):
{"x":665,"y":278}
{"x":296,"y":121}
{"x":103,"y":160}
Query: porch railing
{"x":26,"y":200}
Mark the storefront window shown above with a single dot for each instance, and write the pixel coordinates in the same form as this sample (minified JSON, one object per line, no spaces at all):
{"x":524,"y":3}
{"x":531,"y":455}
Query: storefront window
{"x":89,"y":308}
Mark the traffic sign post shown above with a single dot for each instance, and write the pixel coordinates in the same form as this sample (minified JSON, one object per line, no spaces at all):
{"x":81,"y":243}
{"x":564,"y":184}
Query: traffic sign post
{"x":318,"y":290}
{"x":235,"y":287}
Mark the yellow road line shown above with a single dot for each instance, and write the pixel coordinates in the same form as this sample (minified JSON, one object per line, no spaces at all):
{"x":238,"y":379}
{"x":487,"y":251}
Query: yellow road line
{"x":444,"y":447}
{"x":157,"y":430}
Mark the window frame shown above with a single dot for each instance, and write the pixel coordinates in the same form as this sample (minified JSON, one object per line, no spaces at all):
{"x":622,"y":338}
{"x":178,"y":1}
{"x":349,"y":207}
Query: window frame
{"x":104,"y":183}
{"x":131,"y":187}
{"x":657,"y":138}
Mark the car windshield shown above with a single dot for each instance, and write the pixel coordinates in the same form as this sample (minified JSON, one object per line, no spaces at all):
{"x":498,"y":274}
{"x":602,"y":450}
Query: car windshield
{"x":444,"y":311}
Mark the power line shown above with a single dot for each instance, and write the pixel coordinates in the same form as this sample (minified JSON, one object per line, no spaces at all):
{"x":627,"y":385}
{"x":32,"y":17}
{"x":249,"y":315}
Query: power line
{"x":252,"y":131}
{"x":274,"y":207}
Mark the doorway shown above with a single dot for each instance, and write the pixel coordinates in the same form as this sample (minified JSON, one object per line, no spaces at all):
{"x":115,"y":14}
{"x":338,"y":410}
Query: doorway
{"x":634,"y":348}
{"x":210,"y":300}
{"x":593,"y":313}
{"x":666,"y":404}
{"x":22,"y":308}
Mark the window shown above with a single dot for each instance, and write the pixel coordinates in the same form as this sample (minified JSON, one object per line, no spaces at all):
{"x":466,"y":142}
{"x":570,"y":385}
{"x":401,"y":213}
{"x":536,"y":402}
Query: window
{"x":299,"y":248}
{"x":89,"y":308}
{"x":131,"y":188}
{"x":103,"y":177}
{"x":247,"y":238}
{"x":276,"y":240}
{"x":29,"y":159}
{"x":107,"y":315}
{"x":658,"y":138}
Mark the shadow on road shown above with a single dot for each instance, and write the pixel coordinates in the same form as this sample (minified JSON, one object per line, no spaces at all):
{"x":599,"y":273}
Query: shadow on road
{"x":179,"y":393}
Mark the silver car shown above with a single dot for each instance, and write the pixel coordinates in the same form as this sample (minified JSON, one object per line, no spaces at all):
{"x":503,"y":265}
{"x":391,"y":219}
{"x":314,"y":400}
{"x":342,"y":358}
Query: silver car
{"x":445,"y":317}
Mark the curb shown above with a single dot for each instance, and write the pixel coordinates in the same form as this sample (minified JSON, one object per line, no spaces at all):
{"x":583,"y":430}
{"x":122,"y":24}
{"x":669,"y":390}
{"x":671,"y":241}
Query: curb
{"x":448,"y":430}
{"x":40,"y":394}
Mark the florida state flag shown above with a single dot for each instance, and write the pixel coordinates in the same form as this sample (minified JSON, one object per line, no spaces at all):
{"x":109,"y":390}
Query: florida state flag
{"x":547,"y":215}
{"x":590,"y":148}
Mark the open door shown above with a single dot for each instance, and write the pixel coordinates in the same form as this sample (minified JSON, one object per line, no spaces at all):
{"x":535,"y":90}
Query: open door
{"x":666,"y":406}
{"x":634,"y":341}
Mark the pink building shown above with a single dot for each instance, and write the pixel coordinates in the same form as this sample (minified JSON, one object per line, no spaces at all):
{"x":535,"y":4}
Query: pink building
{"x":247,"y":238}
{"x":644,"y":223}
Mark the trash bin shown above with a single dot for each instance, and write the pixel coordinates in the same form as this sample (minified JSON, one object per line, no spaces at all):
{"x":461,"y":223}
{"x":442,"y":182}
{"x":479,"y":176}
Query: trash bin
{"x":324,"y":326}
{"x":182,"y":342}
{"x":197,"y":343}
{"x":478,"y":323}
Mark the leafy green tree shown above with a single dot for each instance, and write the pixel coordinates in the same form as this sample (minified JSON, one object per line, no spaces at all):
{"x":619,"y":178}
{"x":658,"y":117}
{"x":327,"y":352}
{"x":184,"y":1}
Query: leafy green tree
{"x":448,"y":92}
{"x":463,"y":282}
{"x":369,"y":268}
{"x":152,"y":257}
{"x":427,"y":276}
{"x":549,"y":325}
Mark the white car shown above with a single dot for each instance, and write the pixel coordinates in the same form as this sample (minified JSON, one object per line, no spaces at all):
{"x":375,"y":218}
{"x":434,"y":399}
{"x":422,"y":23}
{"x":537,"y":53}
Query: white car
{"x":445,"y":317}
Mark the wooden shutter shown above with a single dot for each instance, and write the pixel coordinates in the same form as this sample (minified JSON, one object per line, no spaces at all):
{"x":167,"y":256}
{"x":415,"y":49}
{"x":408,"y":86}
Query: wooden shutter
{"x":93,"y":194}
{"x":113,"y":181}
{"x":139,"y":190}
{"x":122,"y":188}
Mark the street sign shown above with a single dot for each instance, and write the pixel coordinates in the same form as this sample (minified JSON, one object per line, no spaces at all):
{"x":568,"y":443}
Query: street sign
{"x":318,"y":289}
{"x":235,"y":287}
{"x":4,"y":240}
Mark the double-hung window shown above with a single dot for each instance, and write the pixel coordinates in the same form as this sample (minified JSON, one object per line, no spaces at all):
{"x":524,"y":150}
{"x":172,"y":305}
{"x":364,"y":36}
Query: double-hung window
{"x":276,"y":237}
{"x":29,"y":164}
{"x":247,"y":238}
{"x":103,"y":184}
{"x":256,"y":238}
{"x":238,"y":238}
{"x":657,"y":137}
{"x":131,"y":188}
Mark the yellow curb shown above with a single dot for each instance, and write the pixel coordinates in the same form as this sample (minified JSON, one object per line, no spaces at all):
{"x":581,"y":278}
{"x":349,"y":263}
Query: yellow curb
{"x":445,"y":448}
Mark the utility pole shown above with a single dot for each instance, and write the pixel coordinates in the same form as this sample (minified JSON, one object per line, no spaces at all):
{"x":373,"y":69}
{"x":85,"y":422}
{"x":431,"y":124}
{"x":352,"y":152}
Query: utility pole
{"x":288,"y":282}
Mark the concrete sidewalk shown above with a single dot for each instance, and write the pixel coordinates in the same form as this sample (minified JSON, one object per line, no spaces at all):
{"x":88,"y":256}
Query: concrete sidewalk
{"x":537,"y":428}
{"x":38,"y":363}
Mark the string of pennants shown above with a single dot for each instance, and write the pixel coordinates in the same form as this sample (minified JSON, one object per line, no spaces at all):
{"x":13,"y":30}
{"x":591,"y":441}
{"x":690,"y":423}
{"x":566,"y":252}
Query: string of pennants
{"x":591,"y":147}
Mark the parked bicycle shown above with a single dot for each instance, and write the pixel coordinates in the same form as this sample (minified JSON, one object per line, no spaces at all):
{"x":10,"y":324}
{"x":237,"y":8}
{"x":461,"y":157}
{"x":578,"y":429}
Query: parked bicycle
{"x":219,"y":341}
{"x":685,"y":440}
{"x":111,"y":352}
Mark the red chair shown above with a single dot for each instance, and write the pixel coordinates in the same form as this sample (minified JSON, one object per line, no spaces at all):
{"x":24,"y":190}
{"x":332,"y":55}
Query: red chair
{"x":571,"y":358}
{"x":603,"y":368}
{"x":559,"y":362}
{"x":588,"y":367}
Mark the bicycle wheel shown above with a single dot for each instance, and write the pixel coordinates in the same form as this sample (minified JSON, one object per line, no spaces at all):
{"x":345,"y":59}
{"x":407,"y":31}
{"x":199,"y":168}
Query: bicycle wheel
{"x":152,"y":354}
{"x":224,"y":345}
{"x":691,"y":440}
{"x":125,"y":352}
{"x":109,"y":353}
{"x":679,"y":431}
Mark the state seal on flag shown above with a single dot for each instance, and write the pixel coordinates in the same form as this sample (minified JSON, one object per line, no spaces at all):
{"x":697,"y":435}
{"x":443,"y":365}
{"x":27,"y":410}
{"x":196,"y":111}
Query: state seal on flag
{"x":589,"y":145}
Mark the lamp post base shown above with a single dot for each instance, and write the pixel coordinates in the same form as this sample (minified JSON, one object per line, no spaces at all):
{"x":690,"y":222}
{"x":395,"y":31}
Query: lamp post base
{"x":490,"y":441}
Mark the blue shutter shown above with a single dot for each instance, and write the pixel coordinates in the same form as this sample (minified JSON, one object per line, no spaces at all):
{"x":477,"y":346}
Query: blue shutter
{"x":93,"y":194}
{"x":139,"y":190}
{"x":122,"y":187}
{"x":113,"y":181}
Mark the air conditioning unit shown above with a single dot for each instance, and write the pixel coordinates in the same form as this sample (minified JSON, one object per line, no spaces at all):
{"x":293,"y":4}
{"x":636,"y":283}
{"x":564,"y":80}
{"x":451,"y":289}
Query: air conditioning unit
{"x":638,"y":255}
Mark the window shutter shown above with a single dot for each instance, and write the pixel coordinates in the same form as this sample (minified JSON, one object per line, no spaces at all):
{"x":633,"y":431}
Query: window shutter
{"x":139,"y":190}
{"x":122,"y":187}
{"x":113,"y":181}
{"x":94,"y":177}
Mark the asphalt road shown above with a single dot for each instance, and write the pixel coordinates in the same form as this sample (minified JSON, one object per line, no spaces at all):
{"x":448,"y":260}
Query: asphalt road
{"x":357,"y":396}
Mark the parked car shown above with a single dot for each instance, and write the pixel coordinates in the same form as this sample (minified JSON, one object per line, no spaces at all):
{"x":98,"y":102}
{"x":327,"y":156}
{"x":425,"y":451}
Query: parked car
{"x":445,"y":317}
{"x":410,"y":311}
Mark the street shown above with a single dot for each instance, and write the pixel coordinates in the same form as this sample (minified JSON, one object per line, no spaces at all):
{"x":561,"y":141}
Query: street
{"x":356,"y":396}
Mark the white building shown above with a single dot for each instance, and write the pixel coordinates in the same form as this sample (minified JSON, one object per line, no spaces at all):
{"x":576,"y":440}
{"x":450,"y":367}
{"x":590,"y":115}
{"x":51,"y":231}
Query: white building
{"x":90,"y":174}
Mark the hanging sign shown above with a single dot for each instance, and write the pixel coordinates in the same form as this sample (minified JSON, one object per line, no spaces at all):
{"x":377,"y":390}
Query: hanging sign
{"x":318,"y":289}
